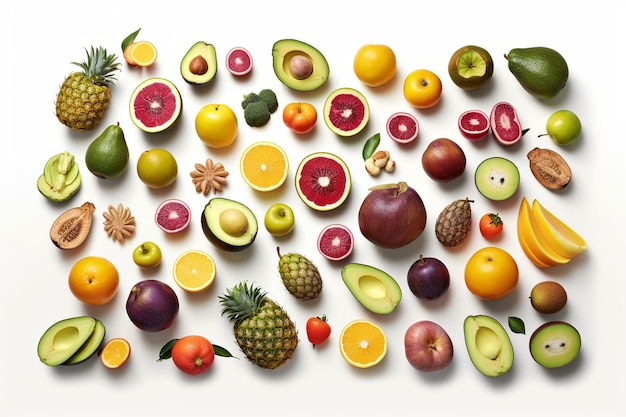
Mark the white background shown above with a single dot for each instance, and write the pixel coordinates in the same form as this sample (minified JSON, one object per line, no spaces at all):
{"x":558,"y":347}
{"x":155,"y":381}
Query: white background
{"x":39,"y":44}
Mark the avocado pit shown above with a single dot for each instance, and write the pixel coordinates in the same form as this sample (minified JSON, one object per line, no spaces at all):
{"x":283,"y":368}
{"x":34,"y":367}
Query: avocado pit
{"x":198,"y":65}
{"x":233,"y":222}
{"x":300,"y":66}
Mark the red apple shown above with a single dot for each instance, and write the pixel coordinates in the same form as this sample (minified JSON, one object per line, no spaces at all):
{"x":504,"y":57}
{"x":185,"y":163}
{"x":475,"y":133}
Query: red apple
{"x":427,"y":346}
{"x":443,"y":160}
{"x":428,"y":278}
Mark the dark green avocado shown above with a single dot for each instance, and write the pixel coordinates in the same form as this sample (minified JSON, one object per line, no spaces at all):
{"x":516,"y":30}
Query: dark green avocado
{"x":229,"y":224}
{"x":199,"y":65}
{"x":286,"y":53}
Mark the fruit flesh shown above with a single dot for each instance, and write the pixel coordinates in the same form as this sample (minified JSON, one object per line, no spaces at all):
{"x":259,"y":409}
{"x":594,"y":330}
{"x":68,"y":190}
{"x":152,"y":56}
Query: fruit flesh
{"x":376,"y":290}
{"x":402,"y":127}
{"x":64,"y":338}
{"x":497,"y":178}
{"x":346,"y":112}
{"x":323,"y":181}
{"x":505,"y":124}
{"x":555,"y":344}
{"x":488,"y":345}
{"x":231,"y":238}
{"x":199,"y":64}
{"x":239,"y":61}
{"x":172,"y":215}
{"x":282,"y":53}
{"x":335,"y":242}
{"x":155,"y":105}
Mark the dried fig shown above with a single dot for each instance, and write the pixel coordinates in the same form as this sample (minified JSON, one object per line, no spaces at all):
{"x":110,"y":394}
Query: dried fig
{"x":72,"y":227}
{"x":549,"y":168}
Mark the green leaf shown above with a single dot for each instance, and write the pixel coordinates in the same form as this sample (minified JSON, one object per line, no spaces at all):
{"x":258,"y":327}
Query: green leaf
{"x":130,"y":38}
{"x":220,"y":351}
{"x":166,"y":350}
{"x":525,"y":130}
{"x":517,"y":325}
{"x":370,"y":146}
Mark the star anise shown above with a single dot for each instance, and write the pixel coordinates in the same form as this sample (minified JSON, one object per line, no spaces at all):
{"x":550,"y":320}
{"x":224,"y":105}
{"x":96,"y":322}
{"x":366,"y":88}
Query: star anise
{"x":209,"y":177}
{"x":119,"y":223}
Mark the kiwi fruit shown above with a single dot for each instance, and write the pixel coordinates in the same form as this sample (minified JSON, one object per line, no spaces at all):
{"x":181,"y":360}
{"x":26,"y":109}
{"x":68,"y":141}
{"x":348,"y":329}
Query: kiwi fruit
{"x":548,"y":297}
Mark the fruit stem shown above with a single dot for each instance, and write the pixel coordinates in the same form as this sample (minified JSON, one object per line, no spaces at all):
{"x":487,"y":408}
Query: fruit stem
{"x":278,"y":251}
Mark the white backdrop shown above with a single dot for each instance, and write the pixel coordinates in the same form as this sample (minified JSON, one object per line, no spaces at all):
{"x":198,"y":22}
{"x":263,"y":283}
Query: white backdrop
{"x":39,"y":45}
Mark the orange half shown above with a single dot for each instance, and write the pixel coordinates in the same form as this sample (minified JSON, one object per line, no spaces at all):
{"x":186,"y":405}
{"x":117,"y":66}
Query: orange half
{"x":194,"y":271}
{"x":115,"y":353}
{"x":142,"y":53}
{"x":362,"y":343}
{"x":264,"y":166}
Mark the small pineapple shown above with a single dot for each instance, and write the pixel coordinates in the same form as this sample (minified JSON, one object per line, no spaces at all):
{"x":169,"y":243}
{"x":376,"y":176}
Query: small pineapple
{"x":300,"y":276}
{"x":84,"y":96}
{"x":263,"y":330}
{"x":454,"y":223}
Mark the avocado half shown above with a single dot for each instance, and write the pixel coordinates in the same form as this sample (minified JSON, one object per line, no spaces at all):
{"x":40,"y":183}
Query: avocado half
{"x":199,"y":65}
{"x":229,"y":224}
{"x":64,"y":339}
{"x":90,"y":347}
{"x":375,"y":289}
{"x":488,"y":345}
{"x":285,"y":50}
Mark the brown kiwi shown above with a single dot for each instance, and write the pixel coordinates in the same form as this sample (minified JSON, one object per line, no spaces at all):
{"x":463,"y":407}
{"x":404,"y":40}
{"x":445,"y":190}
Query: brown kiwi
{"x":549,"y":168}
{"x":72,"y":227}
{"x":548,"y":297}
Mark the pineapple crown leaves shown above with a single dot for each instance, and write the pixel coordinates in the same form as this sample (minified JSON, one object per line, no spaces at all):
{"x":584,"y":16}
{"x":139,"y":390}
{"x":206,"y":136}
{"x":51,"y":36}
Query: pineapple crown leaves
{"x":241,"y":301}
{"x":99,"y":66}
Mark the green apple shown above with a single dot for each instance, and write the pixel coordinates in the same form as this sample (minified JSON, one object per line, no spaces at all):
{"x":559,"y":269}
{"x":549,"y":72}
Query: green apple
{"x":279,"y":219}
{"x":563,"y":126}
{"x":470,"y":67}
{"x":147,"y":255}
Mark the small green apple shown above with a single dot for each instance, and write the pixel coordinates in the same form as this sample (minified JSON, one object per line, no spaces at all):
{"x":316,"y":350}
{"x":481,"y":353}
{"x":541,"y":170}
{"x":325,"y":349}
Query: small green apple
{"x":147,"y":255}
{"x":279,"y":219}
{"x":563,"y":126}
{"x":470,"y":67}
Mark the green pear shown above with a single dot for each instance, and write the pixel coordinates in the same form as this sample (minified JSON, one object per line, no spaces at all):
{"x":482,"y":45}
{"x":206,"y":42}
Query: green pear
{"x":541,"y":71}
{"x":107,"y":156}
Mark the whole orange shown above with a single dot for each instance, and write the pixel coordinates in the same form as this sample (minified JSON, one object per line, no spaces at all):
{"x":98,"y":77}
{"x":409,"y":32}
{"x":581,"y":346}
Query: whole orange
{"x":491,"y":273}
{"x":374,"y":65}
{"x":193,"y":354}
{"x":422,"y":88}
{"x":216,"y":125}
{"x":94,"y":280}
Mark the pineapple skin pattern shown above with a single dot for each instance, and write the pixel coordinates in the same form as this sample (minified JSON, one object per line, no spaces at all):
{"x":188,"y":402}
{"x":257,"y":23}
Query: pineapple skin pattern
{"x":262,"y":328}
{"x":300,"y":276}
{"x":84,"y":97}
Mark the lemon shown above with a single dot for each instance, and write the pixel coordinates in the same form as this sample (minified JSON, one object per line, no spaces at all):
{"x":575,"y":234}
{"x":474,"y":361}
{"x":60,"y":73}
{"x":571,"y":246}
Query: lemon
{"x":157,"y":168}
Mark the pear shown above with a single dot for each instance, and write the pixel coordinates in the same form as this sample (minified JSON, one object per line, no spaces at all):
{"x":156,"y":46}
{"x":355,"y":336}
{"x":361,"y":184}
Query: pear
{"x":107,"y":156}
{"x":541,"y":71}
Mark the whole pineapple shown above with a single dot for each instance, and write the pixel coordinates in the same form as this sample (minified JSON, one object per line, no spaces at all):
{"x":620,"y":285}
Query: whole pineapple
{"x":262,"y":328}
{"x":84,"y":96}
{"x":454,"y":223}
{"x":300,"y":276}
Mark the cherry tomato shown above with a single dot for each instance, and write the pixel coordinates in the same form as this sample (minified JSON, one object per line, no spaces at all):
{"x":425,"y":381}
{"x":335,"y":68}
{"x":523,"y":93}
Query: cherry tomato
{"x":490,"y":225}
{"x":300,"y":117}
{"x":317,"y":330}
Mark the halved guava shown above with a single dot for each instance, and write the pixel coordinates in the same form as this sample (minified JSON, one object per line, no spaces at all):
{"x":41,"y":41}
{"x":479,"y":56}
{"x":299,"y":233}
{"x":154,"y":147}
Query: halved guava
{"x":172,"y":215}
{"x":155,"y":105}
{"x":505,"y":125}
{"x":474,"y":125}
{"x":323,"y":181}
{"x":402,"y":127}
{"x":346,"y":112}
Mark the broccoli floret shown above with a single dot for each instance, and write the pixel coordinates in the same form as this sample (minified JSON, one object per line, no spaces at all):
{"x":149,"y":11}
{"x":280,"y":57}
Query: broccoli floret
{"x":256,"y":113}
{"x":269,"y":97}
{"x":249,"y":98}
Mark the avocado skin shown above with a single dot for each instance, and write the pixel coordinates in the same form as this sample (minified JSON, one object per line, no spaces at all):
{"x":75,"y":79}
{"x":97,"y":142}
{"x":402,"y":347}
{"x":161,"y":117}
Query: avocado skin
{"x":541,"y":71}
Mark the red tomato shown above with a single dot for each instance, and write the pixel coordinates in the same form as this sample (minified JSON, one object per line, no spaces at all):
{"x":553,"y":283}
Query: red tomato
{"x":317,"y":330}
{"x":300,"y":117}
{"x":490,"y":225}
{"x":193,"y":354}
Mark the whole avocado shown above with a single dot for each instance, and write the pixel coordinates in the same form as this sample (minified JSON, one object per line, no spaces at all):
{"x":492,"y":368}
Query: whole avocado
{"x":541,"y":71}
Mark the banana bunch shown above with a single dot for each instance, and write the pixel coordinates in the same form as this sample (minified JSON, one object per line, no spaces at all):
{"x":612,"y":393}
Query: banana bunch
{"x":61,"y":178}
{"x":545,"y":239}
